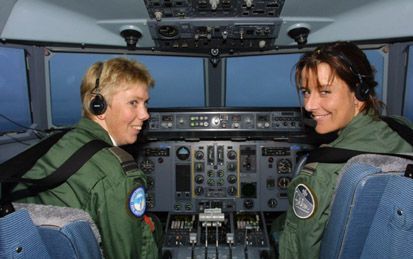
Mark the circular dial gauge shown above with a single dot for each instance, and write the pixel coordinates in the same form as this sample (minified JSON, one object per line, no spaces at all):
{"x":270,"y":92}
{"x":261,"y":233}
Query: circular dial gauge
{"x":284,"y":166}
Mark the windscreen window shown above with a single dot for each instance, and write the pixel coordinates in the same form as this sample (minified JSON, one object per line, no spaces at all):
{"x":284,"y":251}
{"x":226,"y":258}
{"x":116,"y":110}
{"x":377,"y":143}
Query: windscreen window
{"x":179,"y":82}
{"x":268,"y":81}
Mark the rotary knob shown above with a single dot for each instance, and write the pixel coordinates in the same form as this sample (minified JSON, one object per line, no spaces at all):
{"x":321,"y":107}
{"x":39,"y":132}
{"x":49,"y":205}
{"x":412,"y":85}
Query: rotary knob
{"x":231,"y":155}
{"x":232,"y":190}
{"x":272,"y":203}
{"x":199,"y":190}
{"x":199,"y":179}
{"x":232,"y":179}
{"x":199,"y":155}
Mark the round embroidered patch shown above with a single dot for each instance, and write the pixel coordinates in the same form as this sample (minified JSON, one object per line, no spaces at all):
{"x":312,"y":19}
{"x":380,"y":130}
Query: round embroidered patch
{"x":303,"y":203}
{"x":137,"y":202}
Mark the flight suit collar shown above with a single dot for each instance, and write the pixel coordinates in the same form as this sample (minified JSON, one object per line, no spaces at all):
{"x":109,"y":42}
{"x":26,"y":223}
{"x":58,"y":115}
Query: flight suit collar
{"x":361,"y":120}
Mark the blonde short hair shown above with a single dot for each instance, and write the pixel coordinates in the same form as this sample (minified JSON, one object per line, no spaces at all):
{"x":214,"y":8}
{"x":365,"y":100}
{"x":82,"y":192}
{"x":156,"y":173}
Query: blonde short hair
{"x":107,"y":78}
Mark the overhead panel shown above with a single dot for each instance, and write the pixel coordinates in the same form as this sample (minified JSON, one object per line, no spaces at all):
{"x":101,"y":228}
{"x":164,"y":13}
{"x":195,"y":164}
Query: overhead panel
{"x":214,"y":26}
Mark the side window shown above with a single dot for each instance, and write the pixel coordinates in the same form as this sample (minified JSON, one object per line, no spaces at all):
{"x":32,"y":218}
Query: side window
{"x":15,"y":113}
{"x":376,"y":59}
{"x":408,"y":96}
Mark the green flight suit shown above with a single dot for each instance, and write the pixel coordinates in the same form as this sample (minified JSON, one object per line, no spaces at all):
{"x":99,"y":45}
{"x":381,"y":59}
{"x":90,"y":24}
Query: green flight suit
{"x":100,"y":187}
{"x":304,"y":225}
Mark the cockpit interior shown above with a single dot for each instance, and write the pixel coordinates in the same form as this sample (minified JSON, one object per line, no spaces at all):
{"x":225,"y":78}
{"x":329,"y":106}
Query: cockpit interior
{"x":227,"y":130}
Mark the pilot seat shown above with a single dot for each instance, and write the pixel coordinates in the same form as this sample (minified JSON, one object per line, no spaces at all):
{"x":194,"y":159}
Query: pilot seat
{"x":44,"y":231}
{"x":372,"y":211}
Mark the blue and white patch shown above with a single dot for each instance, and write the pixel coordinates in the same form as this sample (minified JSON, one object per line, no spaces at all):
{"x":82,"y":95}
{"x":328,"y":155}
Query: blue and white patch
{"x":137,"y":202}
{"x":303,"y":203}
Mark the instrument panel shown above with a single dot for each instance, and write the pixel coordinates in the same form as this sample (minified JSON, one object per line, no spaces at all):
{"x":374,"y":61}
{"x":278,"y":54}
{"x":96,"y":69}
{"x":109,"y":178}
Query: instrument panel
{"x":235,"y":176}
{"x":216,"y":173}
{"x":235,"y":160}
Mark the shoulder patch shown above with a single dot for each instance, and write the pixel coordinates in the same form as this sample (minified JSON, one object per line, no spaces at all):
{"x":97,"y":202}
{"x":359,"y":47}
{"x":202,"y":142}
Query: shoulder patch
{"x":303,"y":202}
{"x":137,"y":202}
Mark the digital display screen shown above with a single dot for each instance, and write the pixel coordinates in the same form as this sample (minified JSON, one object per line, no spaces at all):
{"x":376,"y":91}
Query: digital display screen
{"x":183,"y":178}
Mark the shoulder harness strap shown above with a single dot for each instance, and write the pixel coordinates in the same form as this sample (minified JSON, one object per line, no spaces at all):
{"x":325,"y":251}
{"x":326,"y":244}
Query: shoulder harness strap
{"x":128,"y":164}
{"x":126,"y":160}
{"x":341,"y":155}
{"x":18,"y":165}
{"x":59,"y":176}
{"x":403,"y":130}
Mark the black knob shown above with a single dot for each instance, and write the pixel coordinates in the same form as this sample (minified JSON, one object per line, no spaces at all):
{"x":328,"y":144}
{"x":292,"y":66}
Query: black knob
{"x":231,"y":155}
{"x":272,"y":203}
{"x":232,"y":190}
{"x":199,"y":179}
{"x":199,"y":190}
{"x":199,"y":155}
{"x":232,"y":179}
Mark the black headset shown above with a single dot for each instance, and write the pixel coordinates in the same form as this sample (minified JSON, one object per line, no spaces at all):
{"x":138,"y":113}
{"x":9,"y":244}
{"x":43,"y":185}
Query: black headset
{"x":362,"y":90}
{"x":97,"y":104}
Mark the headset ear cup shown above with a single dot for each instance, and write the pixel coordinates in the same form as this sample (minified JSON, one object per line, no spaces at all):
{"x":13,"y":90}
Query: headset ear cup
{"x":98,"y":105}
{"x":362,"y":92}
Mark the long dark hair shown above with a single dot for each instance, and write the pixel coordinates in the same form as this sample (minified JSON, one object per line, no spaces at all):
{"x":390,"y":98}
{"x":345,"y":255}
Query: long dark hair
{"x":350,"y":64}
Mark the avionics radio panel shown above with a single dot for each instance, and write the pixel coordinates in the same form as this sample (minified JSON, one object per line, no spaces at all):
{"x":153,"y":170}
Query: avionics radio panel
{"x":259,"y":120}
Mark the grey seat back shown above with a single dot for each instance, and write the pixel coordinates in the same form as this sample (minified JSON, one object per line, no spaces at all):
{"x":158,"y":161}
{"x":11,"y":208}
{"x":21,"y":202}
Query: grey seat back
{"x":43,"y":231}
